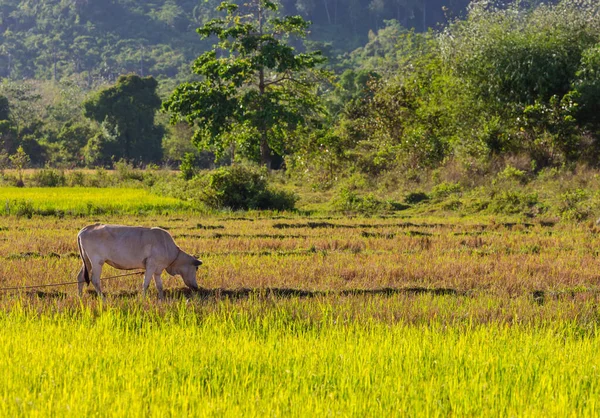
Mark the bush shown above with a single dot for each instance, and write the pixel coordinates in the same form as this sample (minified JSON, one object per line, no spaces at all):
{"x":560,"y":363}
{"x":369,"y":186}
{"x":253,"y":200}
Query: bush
{"x":76,"y":178}
{"x":444,"y":190}
{"x":238,"y":187}
{"x":349,"y":201}
{"x":188,"y":166}
{"x":574,"y":205}
{"x":415,"y":197}
{"x":48,"y":177}
{"x":126,"y":171}
{"x":513,"y":202}
{"x":511,"y":173}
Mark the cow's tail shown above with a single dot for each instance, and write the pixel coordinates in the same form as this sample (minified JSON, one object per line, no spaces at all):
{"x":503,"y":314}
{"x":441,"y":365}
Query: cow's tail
{"x":86,"y":273}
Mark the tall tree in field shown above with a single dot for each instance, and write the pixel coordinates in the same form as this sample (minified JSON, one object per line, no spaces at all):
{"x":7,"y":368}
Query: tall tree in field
{"x":253,"y":83}
{"x":127,"y":110}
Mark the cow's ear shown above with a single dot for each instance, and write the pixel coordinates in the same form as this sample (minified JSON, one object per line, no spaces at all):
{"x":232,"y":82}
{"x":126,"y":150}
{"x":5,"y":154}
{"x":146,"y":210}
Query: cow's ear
{"x":197,"y":263}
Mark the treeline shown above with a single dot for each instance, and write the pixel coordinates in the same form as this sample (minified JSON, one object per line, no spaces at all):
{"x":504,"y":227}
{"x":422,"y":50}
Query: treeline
{"x":503,"y":83}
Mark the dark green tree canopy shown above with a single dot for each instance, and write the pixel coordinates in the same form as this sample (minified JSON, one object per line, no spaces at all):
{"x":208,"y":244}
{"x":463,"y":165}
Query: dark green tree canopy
{"x":127,"y":111}
{"x":4,"y":108}
{"x":253,"y":82}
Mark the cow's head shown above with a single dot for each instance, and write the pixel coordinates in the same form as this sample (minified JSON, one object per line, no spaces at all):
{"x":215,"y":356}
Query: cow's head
{"x":186,"y":266}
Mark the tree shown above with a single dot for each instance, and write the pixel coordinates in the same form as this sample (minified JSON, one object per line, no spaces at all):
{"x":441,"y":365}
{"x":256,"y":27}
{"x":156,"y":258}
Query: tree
{"x":20,"y":160}
{"x":263,"y":88}
{"x":127,"y":109}
{"x":4,"y":108}
{"x":24,"y":104}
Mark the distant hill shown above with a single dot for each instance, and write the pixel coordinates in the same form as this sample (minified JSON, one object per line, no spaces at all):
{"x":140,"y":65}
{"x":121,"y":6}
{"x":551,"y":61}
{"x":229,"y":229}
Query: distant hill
{"x":100,"y":39}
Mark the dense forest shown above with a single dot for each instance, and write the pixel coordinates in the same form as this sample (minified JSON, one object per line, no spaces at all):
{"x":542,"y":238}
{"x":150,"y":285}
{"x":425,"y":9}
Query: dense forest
{"x":101,"y":39}
{"x":485,"y":86}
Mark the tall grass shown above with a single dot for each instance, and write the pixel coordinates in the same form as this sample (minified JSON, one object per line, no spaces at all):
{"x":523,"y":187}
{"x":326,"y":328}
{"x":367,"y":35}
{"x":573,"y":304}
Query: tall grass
{"x":227,"y":363}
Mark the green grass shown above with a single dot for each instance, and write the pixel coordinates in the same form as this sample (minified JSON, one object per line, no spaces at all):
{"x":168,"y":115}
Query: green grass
{"x":85,"y":200}
{"x":230,"y":363}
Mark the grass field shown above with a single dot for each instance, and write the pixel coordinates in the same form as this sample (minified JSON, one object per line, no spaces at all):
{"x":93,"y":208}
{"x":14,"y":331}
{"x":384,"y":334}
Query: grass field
{"x":380,"y":316}
{"x":84,"y":201}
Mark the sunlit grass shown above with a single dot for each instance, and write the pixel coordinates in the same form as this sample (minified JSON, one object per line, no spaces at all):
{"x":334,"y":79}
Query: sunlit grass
{"x":228,"y":363}
{"x":84,"y":200}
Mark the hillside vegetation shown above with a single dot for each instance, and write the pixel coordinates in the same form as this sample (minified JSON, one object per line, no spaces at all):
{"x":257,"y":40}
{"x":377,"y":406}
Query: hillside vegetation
{"x":103,"y":39}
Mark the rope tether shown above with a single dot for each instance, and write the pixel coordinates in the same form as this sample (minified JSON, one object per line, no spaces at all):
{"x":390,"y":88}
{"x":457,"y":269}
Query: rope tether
{"x":3,"y":289}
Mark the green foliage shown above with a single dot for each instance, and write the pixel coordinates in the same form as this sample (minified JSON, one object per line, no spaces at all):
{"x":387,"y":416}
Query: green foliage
{"x":8,"y":137}
{"x":188,"y":165}
{"x":574,"y":205}
{"x":403,"y":121}
{"x":507,"y":80}
{"x":532,"y":69}
{"x":586,"y":89}
{"x":48,"y":177}
{"x":102,"y":147}
{"x":72,"y":139}
{"x":350,"y":201}
{"x":264,"y":89}
{"x":443,"y":190}
{"x":19,"y":160}
{"x":4,"y":108}
{"x":126,"y":171}
{"x":127,"y":110}
{"x":239,"y":187}
{"x":514,"y":202}
{"x":511,"y":173}
{"x":517,"y":55}
{"x":416,"y":197}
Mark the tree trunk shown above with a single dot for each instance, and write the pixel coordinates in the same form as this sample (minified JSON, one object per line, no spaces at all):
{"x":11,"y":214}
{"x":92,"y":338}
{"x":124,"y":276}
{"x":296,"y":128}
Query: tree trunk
{"x":265,"y":150}
{"x":54,"y":60}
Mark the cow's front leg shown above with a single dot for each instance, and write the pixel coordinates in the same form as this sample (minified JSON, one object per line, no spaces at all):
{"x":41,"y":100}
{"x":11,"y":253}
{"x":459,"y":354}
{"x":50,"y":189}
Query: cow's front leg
{"x":80,"y":281}
{"x":159,"y":285}
{"x":147,"y":278}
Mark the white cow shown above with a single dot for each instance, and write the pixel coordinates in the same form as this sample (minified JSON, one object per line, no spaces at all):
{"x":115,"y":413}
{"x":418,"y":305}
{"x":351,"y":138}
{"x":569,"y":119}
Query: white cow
{"x":132,"y":247}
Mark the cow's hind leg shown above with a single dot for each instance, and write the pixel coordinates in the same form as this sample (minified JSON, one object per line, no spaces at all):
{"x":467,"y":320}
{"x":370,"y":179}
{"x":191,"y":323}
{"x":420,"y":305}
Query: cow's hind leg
{"x":96,"y":274}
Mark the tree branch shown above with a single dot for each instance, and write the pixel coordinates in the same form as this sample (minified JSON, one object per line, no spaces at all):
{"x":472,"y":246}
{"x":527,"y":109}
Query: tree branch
{"x":289,"y":78}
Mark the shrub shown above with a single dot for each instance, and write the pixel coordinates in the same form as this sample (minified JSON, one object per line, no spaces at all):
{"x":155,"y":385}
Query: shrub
{"x":512,"y":173}
{"x":76,"y":178}
{"x":238,"y":187}
{"x":513,"y":202}
{"x":126,"y":171}
{"x":573,"y":207}
{"x":350,"y":201}
{"x":415,"y":197}
{"x":444,"y":190}
{"x":48,"y":177}
{"x":188,"y":166}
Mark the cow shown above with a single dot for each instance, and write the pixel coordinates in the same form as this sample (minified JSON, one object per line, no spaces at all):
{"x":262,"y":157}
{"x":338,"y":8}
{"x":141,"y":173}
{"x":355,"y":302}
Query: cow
{"x":133,"y":247}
